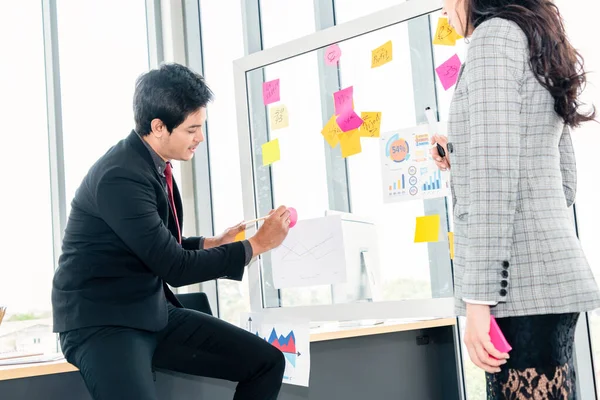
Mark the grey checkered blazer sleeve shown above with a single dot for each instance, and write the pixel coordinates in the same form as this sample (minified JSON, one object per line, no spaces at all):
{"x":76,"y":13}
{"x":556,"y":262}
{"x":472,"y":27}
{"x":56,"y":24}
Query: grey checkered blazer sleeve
{"x":494,"y":72}
{"x":568,"y":168}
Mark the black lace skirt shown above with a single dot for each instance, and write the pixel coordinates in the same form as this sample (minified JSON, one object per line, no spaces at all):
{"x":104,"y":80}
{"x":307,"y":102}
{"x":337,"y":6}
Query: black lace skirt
{"x":541,"y":361}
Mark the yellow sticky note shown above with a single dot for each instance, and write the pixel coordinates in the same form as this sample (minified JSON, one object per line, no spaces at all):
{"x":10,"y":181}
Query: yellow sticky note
{"x":428,"y":229}
{"x":350,"y":143}
{"x":381,"y":55}
{"x":451,"y":244}
{"x":445,"y":34}
{"x":270,"y":152}
{"x":240,"y":236}
{"x":279,"y":117}
{"x":331,"y":131}
{"x":371,"y":126}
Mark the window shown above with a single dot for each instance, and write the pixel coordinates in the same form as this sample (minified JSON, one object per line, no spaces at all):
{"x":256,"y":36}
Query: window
{"x":408,"y":275}
{"x":222,"y":44}
{"x":103,"y":48}
{"x":283,"y":21}
{"x":26,"y":268}
{"x":348,"y":10}
{"x":303,"y":166}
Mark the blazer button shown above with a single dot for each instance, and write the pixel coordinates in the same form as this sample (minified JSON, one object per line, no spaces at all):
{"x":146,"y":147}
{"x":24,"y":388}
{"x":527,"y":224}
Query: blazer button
{"x":503,"y":292}
{"x":505,"y":264}
{"x":505,"y":274}
{"x":504,"y":284}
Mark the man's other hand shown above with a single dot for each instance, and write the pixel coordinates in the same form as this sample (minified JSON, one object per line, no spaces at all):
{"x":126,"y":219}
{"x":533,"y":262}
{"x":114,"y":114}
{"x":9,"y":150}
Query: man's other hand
{"x":272,"y":232}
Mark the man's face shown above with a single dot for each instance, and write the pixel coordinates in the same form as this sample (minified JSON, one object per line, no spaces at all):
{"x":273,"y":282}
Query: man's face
{"x":181,"y":144}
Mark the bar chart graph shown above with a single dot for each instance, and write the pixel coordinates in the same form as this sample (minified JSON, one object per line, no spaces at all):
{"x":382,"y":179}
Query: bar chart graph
{"x":434,"y":182}
{"x":398,"y":184}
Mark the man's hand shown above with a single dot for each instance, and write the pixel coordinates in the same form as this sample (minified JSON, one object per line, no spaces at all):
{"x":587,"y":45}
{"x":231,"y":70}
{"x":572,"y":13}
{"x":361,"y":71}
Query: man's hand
{"x":272,"y":232}
{"x":477,"y":339}
{"x":226,"y":237}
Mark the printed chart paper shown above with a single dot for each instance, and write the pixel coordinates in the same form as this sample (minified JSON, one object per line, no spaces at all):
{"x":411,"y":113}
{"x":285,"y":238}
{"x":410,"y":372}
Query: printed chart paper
{"x":291,"y":336}
{"x":408,"y":170}
{"x":311,"y":254}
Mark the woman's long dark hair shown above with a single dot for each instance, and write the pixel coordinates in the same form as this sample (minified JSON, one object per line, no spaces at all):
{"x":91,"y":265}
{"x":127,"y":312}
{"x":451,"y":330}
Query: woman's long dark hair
{"x":556,"y":64}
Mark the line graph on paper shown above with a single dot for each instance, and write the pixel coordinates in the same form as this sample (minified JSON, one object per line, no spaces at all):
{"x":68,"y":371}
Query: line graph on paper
{"x":299,"y":250}
{"x":311,"y":254}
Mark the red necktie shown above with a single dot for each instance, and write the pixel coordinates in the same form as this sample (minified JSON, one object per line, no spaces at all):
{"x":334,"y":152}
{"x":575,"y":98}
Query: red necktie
{"x":169,"y":176}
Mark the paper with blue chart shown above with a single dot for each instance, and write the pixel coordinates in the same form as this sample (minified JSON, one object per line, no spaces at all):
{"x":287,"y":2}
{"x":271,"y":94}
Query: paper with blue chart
{"x":407,"y":168}
{"x":291,"y":336}
{"x":311,"y":254}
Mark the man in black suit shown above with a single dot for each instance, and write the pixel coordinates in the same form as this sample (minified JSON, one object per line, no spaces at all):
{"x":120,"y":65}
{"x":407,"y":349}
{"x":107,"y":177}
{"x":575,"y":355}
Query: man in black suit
{"x":116,"y":315}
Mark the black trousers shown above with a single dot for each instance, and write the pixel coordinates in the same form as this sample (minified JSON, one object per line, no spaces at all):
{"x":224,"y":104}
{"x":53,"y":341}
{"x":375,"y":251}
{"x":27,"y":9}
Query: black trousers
{"x":117,"y":362}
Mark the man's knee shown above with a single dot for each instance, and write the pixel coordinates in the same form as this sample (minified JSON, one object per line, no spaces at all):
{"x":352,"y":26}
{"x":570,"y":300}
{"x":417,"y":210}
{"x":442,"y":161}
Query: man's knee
{"x":279,"y":361}
{"x":276,"y":363}
{"x":273,"y":359}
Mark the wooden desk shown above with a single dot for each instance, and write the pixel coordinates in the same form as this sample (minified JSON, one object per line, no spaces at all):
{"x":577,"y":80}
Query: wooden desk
{"x":58,"y":367}
{"x":30,"y":370}
{"x":391,"y":327}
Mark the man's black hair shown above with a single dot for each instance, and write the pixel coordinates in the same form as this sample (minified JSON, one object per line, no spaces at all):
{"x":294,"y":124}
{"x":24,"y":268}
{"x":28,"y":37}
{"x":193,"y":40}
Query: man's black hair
{"x":169,"y":93}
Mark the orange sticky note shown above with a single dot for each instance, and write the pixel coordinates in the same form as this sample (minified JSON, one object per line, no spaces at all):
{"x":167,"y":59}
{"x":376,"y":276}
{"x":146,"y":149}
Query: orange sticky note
{"x":240,"y":236}
{"x":279,"y":117}
{"x":381,"y":55}
{"x":270,"y":152}
{"x":350,"y":143}
{"x":451,"y":244}
{"x":428,"y":229}
{"x":445,"y":34}
{"x":331,"y":131}
{"x":371,"y":126}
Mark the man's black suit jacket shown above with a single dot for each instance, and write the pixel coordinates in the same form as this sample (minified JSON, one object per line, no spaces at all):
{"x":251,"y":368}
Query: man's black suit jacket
{"x":120,"y":247}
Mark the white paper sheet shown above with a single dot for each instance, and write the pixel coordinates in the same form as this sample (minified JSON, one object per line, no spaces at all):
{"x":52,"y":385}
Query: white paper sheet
{"x":312,"y":254}
{"x":291,"y":336}
{"x":408,"y":170}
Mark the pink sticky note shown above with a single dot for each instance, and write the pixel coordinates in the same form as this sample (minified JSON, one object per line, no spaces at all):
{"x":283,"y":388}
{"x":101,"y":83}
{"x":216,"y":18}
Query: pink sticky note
{"x":349,"y":120}
{"x":448,"y":72}
{"x":332,"y":54}
{"x":497,"y":337}
{"x":343,"y":100}
{"x":271,"y":91}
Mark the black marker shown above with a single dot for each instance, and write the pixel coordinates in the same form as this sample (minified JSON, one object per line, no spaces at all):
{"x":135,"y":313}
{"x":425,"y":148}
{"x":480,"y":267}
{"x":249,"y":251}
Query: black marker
{"x":431,"y":121}
{"x":440,"y":150}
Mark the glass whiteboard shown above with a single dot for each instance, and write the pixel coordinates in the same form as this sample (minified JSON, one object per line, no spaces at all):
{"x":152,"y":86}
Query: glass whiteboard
{"x":317,"y":180}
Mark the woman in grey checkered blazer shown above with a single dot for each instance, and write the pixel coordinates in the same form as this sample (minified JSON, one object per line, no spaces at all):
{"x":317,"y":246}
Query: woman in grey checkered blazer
{"x":517,"y":255}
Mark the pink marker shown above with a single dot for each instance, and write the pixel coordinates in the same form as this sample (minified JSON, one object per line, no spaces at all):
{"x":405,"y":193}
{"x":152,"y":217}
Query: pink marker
{"x":293,"y":217}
